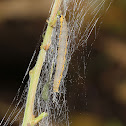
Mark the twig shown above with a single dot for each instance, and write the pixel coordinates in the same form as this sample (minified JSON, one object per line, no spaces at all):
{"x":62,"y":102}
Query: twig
{"x":35,"y":72}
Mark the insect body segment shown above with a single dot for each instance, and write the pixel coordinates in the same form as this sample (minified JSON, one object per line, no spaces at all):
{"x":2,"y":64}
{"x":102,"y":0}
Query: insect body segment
{"x":62,"y":50}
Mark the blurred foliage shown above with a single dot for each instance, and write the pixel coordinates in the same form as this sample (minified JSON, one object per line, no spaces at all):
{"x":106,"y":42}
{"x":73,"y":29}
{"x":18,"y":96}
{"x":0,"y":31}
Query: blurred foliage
{"x":112,"y":122}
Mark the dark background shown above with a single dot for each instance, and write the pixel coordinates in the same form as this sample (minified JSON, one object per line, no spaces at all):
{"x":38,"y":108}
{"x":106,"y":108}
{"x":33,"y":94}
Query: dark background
{"x":96,"y":94}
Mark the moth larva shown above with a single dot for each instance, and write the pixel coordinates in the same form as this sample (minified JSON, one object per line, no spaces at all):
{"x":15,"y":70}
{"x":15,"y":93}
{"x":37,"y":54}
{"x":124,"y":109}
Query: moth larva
{"x":62,"y":50}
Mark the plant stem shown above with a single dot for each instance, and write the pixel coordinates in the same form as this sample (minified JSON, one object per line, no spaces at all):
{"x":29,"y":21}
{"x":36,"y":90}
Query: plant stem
{"x":37,"y":119}
{"x":35,"y":72}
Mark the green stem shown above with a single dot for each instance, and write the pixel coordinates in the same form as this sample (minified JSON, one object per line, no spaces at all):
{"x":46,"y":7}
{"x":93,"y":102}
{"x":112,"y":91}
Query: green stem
{"x":39,"y":118}
{"x":35,"y":72}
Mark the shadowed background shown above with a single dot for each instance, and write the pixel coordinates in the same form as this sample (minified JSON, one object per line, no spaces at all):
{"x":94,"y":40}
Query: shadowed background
{"x":96,"y":94}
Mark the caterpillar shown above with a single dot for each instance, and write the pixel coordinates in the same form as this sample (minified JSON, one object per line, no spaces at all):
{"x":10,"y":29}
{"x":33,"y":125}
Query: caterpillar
{"x":46,"y":86}
{"x":62,"y":50}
